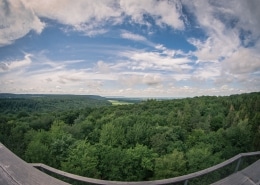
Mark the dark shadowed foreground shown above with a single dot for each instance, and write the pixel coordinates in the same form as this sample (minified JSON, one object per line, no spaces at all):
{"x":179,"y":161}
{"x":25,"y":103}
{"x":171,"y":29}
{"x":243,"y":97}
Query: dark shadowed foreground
{"x":15,"y":171}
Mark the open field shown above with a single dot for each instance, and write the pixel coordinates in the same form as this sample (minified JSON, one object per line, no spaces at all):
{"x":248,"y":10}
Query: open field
{"x":119,"y":102}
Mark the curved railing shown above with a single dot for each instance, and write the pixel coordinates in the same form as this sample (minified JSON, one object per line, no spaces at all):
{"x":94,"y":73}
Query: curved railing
{"x":181,"y":179}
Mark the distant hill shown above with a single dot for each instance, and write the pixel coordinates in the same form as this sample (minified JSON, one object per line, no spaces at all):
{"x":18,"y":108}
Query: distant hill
{"x":48,"y":103}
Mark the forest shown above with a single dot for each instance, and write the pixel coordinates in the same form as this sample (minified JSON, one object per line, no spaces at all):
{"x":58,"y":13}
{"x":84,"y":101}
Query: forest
{"x":145,"y":140}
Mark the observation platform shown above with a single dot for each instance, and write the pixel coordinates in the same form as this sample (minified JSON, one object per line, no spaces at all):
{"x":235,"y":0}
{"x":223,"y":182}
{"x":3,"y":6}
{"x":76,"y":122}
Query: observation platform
{"x":15,"y":171}
{"x":247,"y":176}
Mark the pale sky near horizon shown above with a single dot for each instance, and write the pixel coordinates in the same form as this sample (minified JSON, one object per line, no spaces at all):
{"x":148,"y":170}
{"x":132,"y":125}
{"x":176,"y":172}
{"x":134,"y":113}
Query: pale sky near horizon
{"x":133,"y":48}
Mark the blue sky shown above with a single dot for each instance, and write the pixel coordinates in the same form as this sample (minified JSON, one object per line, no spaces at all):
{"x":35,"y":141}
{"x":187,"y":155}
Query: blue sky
{"x":134,"y":48}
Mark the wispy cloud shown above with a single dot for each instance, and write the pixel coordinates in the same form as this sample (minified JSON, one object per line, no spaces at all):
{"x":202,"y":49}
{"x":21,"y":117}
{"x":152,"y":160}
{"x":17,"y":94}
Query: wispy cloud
{"x":17,"y":64}
{"x":142,"y":60}
{"x":132,"y":36}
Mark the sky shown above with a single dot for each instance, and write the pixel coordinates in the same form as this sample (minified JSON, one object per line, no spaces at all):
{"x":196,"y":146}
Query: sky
{"x":132,"y":48}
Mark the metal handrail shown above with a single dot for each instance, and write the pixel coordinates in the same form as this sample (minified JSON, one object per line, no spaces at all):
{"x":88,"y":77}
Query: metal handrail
{"x":183,"y":178}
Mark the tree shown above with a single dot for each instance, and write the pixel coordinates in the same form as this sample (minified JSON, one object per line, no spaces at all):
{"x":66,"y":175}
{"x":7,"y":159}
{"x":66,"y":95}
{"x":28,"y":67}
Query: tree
{"x":201,"y":157}
{"x":60,"y":142}
{"x":196,"y":136}
{"x":216,"y":123}
{"x":5,"y":130}
{"x":139,"y":133}
{"x":170,"y":165}
{"x":111,"y":163}
{"x":38,"y":150}
{"x":18,"y":132}
{"x":113,"y":135}
{"x":82,"y":160}
{"x":52,"y":145}
{"x":166,"y":139}
{"x":238,"y":139}
{"x":255,"y":130}
{"x":59,"y":148}
{"x":140,"y":163}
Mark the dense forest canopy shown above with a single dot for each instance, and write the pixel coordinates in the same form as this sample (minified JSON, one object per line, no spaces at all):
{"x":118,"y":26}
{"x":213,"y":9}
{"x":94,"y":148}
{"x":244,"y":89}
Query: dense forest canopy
{"x":13,"y":103}
{"x":146,"y":140}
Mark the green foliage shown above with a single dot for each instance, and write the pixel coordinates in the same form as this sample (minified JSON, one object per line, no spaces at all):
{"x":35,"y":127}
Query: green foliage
{"x":53,"y":145}
{"x":108,"y":160}
{"x":38,"y":150}
{"x":41,"y":122}
{"x":82,"y":160}
{"x":142,"y":141}
{"x":256,"y":131}
{"x":216,"y":122}
{"x":200,"y":157}
{"x":170,"y":165}
{"x":11,"y":103}
{"x":113,"y":135}
{"x":140,"y":164}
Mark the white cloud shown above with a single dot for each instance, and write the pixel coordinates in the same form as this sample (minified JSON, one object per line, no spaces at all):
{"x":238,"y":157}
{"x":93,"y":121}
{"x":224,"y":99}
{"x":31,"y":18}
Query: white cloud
{"x":208,"y":71}
{"x":170,"y":52}
{"x":160,"y":47}
{"x":84,"y":16}
{"x":214,"y":47}
{"x":103,"y":67}
{"x":225,"y":23}
{"x":245,"y":12}
{"x":18,"y":17}
{"x":132,"y":36}
{"x":90,"y":32}
{"x":229,"y":54}
{"x":18,"y":64}
{"x":152,"y":80}
{"x":155,"y":61}
{"x":59,"y":81}
{"x":221,"y":41}
{"x":134,"y":79}
{"x":16,"y":20}
{"x":75,"y":12}
{"x":242,"y":61}
{"x":180,"y":77}
{"x":46,"y":76}
{"x":163,"y":12}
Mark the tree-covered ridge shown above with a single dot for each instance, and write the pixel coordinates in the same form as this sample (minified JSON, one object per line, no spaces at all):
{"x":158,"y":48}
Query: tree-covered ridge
{"x":13,"y":103}
{"x":143,"y":141}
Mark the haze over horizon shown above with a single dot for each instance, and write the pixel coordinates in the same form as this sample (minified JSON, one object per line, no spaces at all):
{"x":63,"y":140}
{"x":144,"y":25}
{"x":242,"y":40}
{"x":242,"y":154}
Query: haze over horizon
{"x":132,"y":48}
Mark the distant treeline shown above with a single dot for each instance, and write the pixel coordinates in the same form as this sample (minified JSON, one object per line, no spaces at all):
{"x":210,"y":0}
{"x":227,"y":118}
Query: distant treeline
{"x":142,"y":141}
{"x":13,"y":103}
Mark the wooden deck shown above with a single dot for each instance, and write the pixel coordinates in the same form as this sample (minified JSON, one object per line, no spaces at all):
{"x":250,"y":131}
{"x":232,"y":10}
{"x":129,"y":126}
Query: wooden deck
{"x":247,"y":176}
{"x":15,"y":171}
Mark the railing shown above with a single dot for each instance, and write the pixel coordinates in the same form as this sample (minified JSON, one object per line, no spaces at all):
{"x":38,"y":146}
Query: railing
{"x":181,"y":179}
